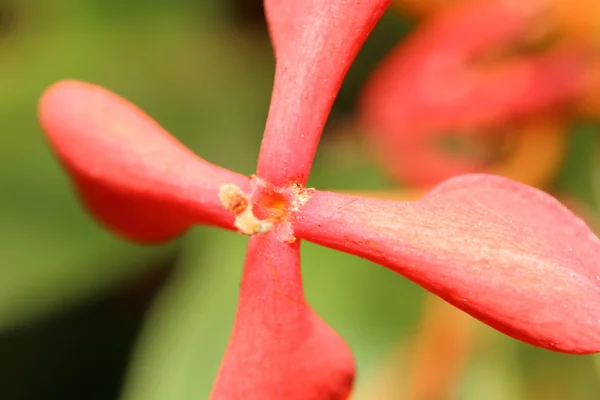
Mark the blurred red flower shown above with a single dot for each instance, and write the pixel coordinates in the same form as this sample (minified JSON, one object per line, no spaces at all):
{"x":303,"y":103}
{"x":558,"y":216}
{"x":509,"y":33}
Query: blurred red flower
{"x":479,"y":71}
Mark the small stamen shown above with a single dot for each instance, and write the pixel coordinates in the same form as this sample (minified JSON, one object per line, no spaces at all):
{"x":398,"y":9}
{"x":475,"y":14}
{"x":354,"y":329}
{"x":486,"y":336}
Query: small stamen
{"x":277,"y":206}
{"x":235,"y":200}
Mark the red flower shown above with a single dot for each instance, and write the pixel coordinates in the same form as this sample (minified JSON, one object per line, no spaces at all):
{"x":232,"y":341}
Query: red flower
{"x":454,"y":74}
{"x":507,"y":254}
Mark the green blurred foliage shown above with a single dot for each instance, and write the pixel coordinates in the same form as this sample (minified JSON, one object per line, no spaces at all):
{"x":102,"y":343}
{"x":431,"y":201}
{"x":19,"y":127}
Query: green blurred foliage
{"x":208,"y":82}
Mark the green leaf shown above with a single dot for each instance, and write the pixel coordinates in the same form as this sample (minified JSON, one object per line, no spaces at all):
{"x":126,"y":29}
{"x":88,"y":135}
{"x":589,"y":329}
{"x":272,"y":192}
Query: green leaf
{"x":53,"y":254}
{"x":576,"y":175}
{"x":188,"y":328}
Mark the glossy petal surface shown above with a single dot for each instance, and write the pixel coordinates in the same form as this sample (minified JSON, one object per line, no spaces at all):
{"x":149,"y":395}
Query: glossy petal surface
{"x":315,"y":42}
{"x":507,"y":254}
{"x":132,"y":174}
{"x":280,"y":349}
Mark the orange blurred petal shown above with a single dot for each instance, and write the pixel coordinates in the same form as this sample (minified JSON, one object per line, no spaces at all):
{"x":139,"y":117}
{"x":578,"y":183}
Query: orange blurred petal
{"x":440,"y":352}
{"x":577,"y":18}
{"x":536,"y":159}
{"x":589,"y":104}
{"x":419,"y":8}
{"x":428,"y":365}
{"x":408,"y":194}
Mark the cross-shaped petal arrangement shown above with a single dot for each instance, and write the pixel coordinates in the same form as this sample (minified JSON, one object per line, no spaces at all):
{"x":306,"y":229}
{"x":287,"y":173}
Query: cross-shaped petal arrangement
{"x":507,"y":254}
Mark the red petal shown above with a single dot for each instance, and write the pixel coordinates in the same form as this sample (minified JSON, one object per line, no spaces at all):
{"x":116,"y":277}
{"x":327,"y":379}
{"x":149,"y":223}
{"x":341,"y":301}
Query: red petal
{"x":315,"y":42}
{"x":132,"y":174}
{"x":279,"y":348}
{"x":435,"y":83}
{"x":507,"y":254}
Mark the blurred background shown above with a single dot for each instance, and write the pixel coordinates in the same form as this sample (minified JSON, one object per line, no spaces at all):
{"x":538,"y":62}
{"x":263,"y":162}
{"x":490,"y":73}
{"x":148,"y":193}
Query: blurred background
{"x":84,"y":315}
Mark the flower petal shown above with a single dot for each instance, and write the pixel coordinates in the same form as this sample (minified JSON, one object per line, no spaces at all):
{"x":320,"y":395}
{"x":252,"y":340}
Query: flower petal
{"x":133,"y":175}
{"x":507,"y":254}
{"x":279,"y":348}
{"x":578,"y":18}
{"x":435,"y":82}
{"x":315,"y":42}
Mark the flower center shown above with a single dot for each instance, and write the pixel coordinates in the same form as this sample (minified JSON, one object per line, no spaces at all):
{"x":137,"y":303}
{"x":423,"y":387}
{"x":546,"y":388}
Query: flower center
{"x":266,"y":208}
